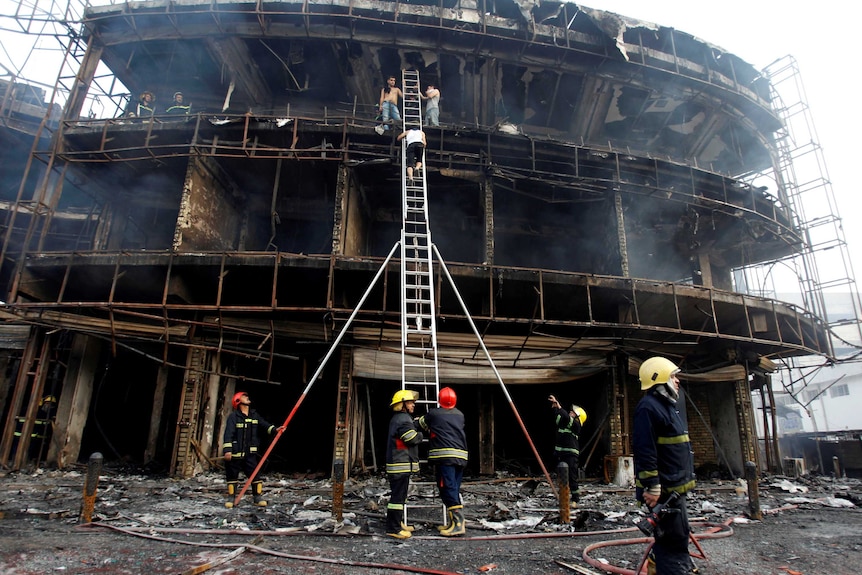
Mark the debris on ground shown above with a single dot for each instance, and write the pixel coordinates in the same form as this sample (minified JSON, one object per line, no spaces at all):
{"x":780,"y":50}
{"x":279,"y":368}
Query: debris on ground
{"x":144,"y":523}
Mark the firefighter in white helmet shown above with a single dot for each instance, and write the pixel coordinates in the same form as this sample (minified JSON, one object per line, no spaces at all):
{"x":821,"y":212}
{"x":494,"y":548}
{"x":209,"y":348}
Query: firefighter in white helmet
{"x":567,"y":446}
{"x":402,"y":460}
{"x":664,"y":462}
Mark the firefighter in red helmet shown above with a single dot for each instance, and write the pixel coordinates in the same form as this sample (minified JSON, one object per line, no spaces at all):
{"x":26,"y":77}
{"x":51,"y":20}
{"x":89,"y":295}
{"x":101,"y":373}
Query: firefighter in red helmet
{"x":241,"y":447}
{"x":448,"y":453}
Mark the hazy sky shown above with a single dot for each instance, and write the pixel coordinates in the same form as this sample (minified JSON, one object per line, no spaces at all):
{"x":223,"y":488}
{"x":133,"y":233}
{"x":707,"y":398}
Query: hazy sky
{"x":820,"y":36}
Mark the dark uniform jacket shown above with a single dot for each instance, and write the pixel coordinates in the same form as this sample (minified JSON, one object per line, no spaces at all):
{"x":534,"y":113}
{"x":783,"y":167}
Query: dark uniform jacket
{"x":402,"y":449}
{"x":568,"y":430}
{"x":448,"y":439}
{"x":178,"y":109}
{"x":140,"y":109}
{"x":241,"y":433}
{"x":662,"y":449}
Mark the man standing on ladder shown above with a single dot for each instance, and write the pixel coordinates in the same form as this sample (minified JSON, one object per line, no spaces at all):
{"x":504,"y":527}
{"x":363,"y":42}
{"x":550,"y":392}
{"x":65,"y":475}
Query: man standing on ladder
{"x":402,"y":460}
{"x":448,"y":453}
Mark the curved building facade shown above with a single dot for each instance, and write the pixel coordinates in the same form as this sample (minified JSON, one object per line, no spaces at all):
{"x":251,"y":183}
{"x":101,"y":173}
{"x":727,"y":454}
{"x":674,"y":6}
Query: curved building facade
{"x":587,"y":191}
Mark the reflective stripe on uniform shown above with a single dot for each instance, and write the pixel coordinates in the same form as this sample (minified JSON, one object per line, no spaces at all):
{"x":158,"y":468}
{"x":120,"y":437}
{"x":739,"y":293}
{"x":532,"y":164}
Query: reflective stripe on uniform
{"x":443,"y":452}
{"x":673,"y":440}
{"x":405,"y":467}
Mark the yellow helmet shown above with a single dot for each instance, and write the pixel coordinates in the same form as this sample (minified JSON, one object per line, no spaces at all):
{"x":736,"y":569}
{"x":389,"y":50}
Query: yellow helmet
{"x":656,"y":370}
{"x":579,"y":413}
{"x":401,"y":396}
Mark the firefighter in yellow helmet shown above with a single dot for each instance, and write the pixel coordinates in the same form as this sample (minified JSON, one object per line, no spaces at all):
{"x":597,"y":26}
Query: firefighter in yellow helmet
{"x":664,"y":462}
{"x":402,"y":460}
{"x":567,"y":446}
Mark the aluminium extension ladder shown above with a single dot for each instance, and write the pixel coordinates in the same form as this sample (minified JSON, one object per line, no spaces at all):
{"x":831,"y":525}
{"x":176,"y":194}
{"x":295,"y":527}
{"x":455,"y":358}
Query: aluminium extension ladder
{"x":419,"y":367}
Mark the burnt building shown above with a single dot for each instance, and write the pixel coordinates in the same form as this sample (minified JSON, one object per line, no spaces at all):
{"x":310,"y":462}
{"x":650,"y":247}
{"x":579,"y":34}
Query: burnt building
{"x":589,"y":189}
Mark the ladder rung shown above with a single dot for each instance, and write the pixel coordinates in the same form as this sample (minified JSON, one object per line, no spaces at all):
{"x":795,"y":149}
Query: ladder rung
{"x":422,"y":331}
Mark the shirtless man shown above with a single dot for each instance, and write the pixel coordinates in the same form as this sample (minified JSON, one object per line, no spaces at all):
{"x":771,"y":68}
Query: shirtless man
{"x":389,"y":102}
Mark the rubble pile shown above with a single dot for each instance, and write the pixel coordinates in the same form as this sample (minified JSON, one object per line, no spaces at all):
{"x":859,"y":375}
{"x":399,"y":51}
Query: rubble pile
{"x":513,"y":510}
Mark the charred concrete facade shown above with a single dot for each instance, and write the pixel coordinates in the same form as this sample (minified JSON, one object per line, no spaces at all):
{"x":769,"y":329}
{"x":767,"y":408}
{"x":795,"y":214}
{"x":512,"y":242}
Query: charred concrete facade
{"x":586,"y":189}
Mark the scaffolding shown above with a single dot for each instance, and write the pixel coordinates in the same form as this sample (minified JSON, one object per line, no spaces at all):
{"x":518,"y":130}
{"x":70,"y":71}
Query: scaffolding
{"x":823,"y":269}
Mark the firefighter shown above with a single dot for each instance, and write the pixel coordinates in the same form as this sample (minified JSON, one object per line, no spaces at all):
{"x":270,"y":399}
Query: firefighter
{"x":664,"y":462}
{"x":178,"y":106}
{"x":448,"y":453}
{"x":402,"y":460}
{"x":144,"y":107}
{"x":241,"y":446}
{"x":567,"y":443}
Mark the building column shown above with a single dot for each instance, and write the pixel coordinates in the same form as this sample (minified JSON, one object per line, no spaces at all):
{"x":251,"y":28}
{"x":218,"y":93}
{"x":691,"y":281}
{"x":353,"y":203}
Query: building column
{"x":350,"y":224}
{"x":486,"y":431}
{"x":74,"y":403}
{"x":488,"y":214}
{"x":210,"y":411}
{"x":185,"y":461}
{"x":618,"y":420}
{"x":156,"y":414}
{"x":621,"y":234}
{"x":745,"y":420}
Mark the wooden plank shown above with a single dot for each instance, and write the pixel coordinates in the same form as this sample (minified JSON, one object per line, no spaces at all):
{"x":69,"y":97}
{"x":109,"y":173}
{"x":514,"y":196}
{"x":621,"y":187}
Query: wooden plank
{"x":577,"y":568}
{"x":219,"y":561}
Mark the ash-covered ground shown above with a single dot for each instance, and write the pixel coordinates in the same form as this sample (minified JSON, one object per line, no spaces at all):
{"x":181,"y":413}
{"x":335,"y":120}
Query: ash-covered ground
{"x":149,"y":524}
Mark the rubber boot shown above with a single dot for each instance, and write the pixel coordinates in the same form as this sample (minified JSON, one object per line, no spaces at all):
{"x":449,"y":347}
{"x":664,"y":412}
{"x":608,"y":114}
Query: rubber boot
{"x":231,"y":494}
{"x":448,"y":523}
{"x":404,"y":526}
{"x":394,"y":524}
{"x":650,"y":565}
{"x":457,"y":527}
{"x":257,"y":491}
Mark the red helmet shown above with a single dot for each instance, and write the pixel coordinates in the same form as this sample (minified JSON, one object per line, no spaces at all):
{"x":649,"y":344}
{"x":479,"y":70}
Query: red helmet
{"x":236,"y":397}
{"x":447,"y":398}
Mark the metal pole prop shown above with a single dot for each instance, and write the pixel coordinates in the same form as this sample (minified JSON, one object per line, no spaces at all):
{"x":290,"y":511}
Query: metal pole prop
{"x":315,"y":376}
{"x":494,"y":367}
{"x":94,"y":469}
